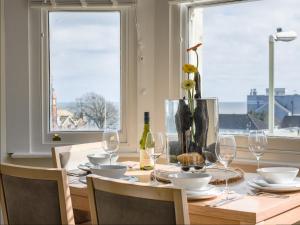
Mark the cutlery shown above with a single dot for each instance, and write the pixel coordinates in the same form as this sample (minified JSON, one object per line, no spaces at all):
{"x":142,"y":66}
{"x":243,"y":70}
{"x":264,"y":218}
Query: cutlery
{"x":266,"y":194}
{"x":76,"y":173}
{"x":225,"y":201}
{"x":73,"y":181}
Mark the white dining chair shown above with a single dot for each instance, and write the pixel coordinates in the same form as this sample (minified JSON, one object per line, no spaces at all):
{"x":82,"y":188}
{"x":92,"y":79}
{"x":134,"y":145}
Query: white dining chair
{"x":120,"y":202}
{"x":35,"y":196}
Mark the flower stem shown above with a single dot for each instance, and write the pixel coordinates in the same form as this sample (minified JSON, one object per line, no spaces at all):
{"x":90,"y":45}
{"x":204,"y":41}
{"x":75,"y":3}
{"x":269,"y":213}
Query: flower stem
{"x":197,"y":59}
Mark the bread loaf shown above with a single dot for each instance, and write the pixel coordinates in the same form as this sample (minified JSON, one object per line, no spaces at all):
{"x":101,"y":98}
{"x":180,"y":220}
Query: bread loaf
{"x":191,"y":159}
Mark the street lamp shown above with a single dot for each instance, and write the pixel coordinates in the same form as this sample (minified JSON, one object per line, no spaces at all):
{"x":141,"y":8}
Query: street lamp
{"x":279,"y":36}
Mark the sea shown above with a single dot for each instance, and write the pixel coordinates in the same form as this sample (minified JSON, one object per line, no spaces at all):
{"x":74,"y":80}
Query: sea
{"x":233,"y":107}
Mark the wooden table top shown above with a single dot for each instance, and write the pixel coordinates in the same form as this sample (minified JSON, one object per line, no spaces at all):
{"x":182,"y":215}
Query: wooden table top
{"x":249,"y":209}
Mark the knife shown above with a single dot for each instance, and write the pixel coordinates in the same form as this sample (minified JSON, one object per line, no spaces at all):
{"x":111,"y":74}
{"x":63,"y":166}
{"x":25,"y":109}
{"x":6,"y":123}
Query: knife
{"x":226,"y":201}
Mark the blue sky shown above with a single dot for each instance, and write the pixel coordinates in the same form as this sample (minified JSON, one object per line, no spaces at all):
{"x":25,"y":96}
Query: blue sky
{"x":85,"y":54}
{"x":235,"y":52}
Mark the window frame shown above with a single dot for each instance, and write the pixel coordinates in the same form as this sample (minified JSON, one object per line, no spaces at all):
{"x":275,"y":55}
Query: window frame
{"x":73,"y":137}
{"x":281,"y":149}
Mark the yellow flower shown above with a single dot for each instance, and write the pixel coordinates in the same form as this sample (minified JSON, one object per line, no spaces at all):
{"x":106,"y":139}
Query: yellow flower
{"x":188,"y":68}
{"x":188,"y":84}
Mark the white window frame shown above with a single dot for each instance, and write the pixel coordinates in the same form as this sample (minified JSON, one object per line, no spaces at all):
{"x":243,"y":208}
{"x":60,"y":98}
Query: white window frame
{"x":281,"y":150}
{"x":70,"y":137}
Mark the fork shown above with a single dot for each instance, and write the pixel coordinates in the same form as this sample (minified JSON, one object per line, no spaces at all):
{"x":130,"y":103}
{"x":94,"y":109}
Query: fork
{"x":266,"y":194}
{"x":225,"y":201}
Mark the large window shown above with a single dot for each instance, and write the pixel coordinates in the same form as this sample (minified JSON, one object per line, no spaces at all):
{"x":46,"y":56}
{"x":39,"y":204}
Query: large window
{"x":84,"y":70}
{"x":235,"y":59}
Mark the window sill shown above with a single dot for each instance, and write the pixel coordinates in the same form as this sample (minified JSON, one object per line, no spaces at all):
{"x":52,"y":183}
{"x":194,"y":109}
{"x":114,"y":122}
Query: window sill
{"x":30,"y":155}
{"x":124,"y":153}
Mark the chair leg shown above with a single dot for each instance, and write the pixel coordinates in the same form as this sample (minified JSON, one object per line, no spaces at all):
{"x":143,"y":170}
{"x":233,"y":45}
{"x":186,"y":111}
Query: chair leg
{"x":82,"y":217}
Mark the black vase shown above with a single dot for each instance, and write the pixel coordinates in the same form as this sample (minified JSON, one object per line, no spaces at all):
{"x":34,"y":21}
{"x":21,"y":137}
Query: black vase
{"x":192,"y":129}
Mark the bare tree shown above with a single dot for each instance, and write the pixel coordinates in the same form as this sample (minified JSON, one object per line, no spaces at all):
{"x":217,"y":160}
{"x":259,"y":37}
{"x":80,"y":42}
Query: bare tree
{"x":96,"y":110}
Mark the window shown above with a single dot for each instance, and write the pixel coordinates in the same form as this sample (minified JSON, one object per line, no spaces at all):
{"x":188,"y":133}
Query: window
{"x":87,"y":66}
{"x":85,"y":71}
{"x":235,"y":59}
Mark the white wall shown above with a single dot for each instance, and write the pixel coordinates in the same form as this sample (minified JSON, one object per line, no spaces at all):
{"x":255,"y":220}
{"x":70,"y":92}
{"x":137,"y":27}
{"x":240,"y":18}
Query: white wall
{"x":17,"y":74}
{"x":153,"y":75}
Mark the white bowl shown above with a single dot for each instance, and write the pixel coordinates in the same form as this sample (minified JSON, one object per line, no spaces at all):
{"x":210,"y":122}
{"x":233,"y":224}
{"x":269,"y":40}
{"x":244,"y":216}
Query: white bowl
{"x":190,"y":181}
{"x":278,"y":175}
{"x":111,"y":171}
{"x":101,"y":158}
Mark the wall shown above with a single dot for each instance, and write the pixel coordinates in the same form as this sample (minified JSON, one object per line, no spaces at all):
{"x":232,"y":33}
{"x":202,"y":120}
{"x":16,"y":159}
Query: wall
{"x":17,"y":74}
{"x":2,"y":86}
{"x":152,"y":72}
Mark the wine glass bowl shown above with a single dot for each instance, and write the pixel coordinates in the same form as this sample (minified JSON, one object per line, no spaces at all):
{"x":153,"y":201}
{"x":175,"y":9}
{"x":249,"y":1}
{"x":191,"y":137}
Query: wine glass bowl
{"x":112,"y":142}
{"x":226,"y":149}
{"x":257,"y":142}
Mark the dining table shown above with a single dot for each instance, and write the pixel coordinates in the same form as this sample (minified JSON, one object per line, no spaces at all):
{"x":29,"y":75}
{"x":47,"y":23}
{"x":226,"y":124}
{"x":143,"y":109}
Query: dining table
{"x":249,"y":209}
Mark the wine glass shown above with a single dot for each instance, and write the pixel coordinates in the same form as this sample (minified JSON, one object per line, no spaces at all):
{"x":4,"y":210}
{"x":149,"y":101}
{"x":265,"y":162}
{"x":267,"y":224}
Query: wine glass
{"x":155,"y":147}
{"x":226,"y":153}
{"x":112,"y":142}
{"x":257,"y":141}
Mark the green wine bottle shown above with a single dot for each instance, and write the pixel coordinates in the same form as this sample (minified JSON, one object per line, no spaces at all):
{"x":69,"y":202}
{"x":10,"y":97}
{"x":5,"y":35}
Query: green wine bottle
{"x":146,"y":163}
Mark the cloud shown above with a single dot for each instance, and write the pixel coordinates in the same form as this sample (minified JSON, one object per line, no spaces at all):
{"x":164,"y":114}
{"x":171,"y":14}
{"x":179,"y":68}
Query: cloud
{"x":85,"y":54}
{"x":235,"y":52}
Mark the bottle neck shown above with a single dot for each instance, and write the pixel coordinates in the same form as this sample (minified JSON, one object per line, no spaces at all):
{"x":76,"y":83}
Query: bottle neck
{"x":146,"y":126}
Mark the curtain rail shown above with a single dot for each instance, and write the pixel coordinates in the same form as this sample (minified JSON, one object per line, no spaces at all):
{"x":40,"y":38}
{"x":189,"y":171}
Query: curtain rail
{"x":80,"y":6}
{"x":207,"y":3}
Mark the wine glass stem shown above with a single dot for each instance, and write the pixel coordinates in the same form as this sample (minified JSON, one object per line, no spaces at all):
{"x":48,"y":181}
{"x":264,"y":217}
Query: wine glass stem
{"x":154,"y":171}
{"x":110,"y":156}
{"x":258,"y":162}
{"x":226,"y":187}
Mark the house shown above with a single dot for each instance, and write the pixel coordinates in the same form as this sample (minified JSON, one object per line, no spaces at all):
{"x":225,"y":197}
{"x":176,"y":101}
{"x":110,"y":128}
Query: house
{"x":241,"y":122}
{"x":285,"y":105}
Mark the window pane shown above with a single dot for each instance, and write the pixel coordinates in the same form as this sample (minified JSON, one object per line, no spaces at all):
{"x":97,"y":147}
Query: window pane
{"x":235,"y":65}
{"x":287,"y":69}
{"x":84,"y":70}
{"x":236,"y":59}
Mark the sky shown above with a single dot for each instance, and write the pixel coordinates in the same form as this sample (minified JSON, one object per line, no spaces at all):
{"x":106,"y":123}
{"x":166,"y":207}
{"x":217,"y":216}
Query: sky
{"x":235,"y":50}
{"x":85,"y":51}
{"x":85,"y":54}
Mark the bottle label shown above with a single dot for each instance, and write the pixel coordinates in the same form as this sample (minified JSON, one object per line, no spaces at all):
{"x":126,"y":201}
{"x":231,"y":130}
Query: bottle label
{"x":146,"y":162}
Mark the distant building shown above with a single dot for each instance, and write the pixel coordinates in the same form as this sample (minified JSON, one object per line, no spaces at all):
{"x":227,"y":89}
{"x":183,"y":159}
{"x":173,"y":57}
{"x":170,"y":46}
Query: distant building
{"x":290,"y":122}
{"x":285,"y":105}
{"x":241,"y":122}
{"x":287,"y":112}
{"x":54,"y":110}
{"x":65,"y":119}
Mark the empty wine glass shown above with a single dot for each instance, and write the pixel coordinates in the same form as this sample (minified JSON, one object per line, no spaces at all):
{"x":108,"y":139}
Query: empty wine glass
{"x":226,"y":153}
{"x":155,"y":147}
{"x":257,"y":141}
{"x":112,"y":142}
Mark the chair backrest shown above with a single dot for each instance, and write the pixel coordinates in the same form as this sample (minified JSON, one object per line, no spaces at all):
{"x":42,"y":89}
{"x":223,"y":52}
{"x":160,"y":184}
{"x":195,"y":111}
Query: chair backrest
{"x":120,"y":202}
{"x":35,"y":195}
{"x":69,"y":157}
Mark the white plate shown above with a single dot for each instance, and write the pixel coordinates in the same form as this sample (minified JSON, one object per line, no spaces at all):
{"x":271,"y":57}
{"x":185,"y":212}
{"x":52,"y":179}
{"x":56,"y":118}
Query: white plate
{"x":263,"y":183}
{"x":206,"y":188}
{"x":278,"y":175}
{"x":212,"y":192}
{"x":85,"y":166}
{"x":190,"y":180}
{"x":126,"y":178}
{"x":252,"y":184}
